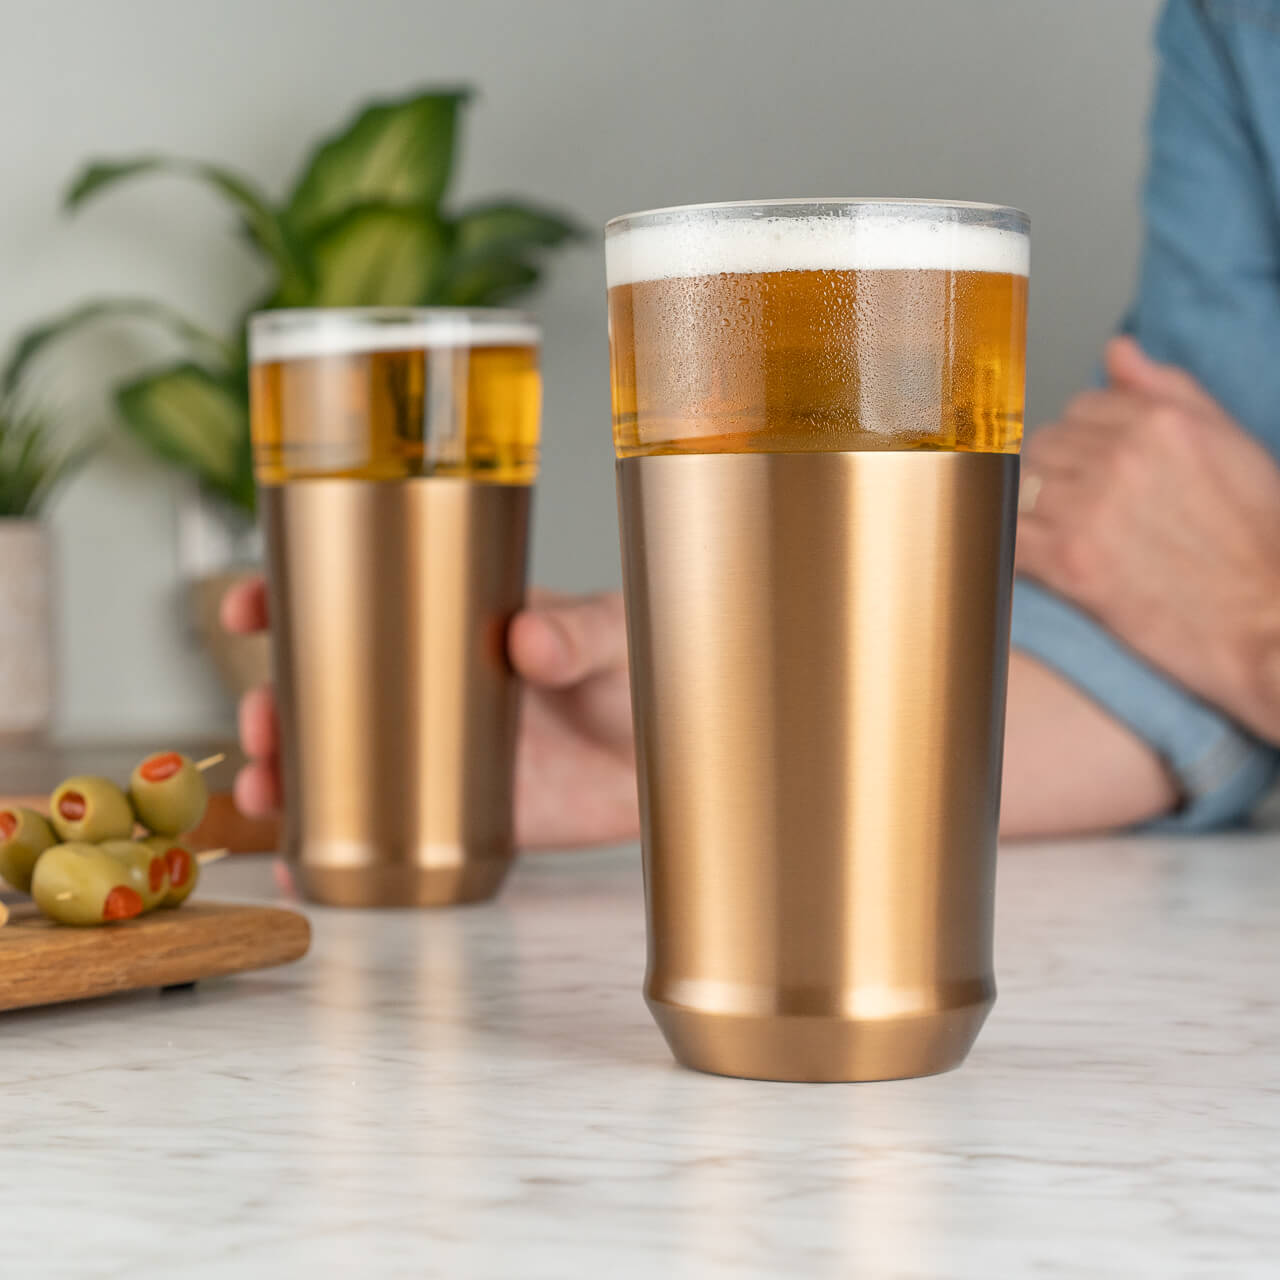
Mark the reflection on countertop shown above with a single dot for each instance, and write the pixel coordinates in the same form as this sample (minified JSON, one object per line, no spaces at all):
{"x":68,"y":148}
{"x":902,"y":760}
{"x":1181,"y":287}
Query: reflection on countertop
{"x":480,"y":1092}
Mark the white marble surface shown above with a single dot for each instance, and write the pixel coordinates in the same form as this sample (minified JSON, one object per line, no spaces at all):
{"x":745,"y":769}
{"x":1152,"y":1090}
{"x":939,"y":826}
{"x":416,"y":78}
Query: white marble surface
{"x":480,"y":1093}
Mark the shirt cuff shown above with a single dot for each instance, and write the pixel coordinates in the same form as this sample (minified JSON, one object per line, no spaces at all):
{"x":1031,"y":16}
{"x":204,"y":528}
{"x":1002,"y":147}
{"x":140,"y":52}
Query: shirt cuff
{"x":1222,"y":770}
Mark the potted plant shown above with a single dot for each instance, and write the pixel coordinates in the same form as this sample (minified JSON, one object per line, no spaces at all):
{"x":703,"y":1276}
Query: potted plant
{"x":366,"y":222}
{"x":31,"y":467}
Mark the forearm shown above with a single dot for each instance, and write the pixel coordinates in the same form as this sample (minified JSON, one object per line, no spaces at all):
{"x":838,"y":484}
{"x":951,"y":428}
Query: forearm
{"x":1069,"y":767}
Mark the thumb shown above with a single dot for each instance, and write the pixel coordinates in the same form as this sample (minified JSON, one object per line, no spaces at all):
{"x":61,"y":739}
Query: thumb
{"x":562,"y":642}
{"x":1129,"y":367}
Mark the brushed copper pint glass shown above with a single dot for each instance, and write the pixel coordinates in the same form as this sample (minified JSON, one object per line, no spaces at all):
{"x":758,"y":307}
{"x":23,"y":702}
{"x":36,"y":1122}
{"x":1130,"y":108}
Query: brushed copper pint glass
{"x":817,"y":414}
{"x":395,"y":452}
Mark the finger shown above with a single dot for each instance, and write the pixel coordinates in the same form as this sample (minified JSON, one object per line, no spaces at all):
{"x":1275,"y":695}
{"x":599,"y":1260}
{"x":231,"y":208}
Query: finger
{"x":1129,"y":366}
{"x":1051,"y":491}
{"x":259,"y":726}
{"x":1074,"y":448}
{"x":1107,"y":407}
{"x":257,"y":790}
{"x":1030,"y":548}
{"x":244,"y":607}
{"x":1061,"y":505}
{"x":1050,"y":446}
{"x":1037,"y":547}
{"x":561,"y":644}
{"x":282,"y":874}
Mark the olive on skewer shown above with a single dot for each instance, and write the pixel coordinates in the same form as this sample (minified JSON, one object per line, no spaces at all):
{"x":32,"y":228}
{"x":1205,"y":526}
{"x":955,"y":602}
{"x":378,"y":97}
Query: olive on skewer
{"x":168,"y":793}
{"x":183,"y":867}
{"x":79,"y":884}
{"x":147,"y":870}
{"x":24,"y":836}
{"x":87,"y":809}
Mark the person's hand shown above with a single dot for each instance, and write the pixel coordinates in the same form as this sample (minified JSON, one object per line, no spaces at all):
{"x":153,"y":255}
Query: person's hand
{"x":257,"y":786}
{"x":575,"y":763}
{"x":1147,"y":505}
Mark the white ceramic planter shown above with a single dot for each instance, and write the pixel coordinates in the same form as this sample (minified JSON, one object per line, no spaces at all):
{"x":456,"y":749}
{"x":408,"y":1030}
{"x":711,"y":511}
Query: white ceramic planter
{"x":26,"y":629}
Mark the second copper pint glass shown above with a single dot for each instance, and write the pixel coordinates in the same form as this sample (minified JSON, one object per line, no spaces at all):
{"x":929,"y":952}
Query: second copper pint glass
{"x":395,"y":452}
{"x":817,"y":414}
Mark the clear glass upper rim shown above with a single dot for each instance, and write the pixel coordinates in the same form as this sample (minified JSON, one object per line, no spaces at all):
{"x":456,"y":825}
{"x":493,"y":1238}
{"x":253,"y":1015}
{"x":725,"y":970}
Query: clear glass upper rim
{"x":293,"y":318}
{"x":912,"y":208}
{"x":300,"y":332}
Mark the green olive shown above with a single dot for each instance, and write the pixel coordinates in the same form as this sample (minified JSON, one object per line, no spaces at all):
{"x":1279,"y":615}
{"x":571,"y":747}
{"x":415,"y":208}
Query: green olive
{"x":24,"y":836}
{"x":148,"y":871}
{"x":168,"y":793}
{"x":79,"y":884}
{"x":88,"y":810}
{"x":183,"y":867}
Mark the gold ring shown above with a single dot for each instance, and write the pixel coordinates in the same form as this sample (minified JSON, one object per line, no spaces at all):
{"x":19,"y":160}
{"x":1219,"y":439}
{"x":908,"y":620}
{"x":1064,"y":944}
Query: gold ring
{"x":1029,"y":494}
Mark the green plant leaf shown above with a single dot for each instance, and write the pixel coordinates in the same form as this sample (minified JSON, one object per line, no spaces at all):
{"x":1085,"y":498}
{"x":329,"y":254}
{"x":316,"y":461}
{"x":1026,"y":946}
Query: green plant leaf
{"x":98,"y":174}
{"x":188,"y":415}
{"x":31,"y":464}
{"x":491,"y":247}
{"x":377,"y":255}
{"x":505,"y":228}
{"x":30,"y":344}
{"x":59,"y":468}
{"x":24,"y":449}
{"x":392,"y":153}
{"x":265,"y":228}
{"x":485,"y":283}
{"x":244,"y":489}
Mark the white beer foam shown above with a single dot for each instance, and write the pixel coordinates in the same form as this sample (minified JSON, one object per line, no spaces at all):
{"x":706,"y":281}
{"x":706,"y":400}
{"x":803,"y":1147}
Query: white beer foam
{"x":338,"y":336}
{"x":702,"y":246}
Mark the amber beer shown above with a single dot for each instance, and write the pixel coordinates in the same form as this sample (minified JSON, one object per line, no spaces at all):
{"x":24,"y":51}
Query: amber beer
{"x":395,"y":452}
{"x":444,"y":397}
{"x":817,"y":412}
{"x":907,"y":337}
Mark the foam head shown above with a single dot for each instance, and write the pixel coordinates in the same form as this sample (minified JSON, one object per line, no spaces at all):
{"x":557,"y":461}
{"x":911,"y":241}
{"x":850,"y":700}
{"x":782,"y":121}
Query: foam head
{"x":849,"y":236}
{"x":308,"y":334}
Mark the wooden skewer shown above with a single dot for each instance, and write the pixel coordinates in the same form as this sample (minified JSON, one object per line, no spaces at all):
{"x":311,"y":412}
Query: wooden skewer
{"x":206,"y":856}
{"x":209,"y":761}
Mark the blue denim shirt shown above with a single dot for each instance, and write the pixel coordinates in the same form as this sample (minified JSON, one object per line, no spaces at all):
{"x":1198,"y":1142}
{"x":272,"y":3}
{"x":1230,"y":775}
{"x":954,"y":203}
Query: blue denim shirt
{"x":1208,"y":300}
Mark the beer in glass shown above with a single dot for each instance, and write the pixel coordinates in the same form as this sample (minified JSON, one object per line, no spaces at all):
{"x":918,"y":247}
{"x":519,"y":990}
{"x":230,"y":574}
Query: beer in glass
{"x":395,"y":450}
{"x":817,"y":415}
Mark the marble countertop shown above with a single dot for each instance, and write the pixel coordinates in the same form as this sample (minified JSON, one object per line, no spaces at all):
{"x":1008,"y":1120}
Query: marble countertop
{"x":480,"y":1093}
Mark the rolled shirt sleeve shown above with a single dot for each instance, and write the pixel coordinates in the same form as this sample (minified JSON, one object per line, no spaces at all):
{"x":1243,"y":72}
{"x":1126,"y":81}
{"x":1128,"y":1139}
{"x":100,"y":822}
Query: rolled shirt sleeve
{"x":1208,"y":299}
{"x":1221,"y":769}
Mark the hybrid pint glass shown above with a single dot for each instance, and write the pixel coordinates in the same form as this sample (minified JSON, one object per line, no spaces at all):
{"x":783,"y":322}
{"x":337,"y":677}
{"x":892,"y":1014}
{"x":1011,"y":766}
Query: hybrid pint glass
{"x":395,"y":451}
{"x":817,"y":415}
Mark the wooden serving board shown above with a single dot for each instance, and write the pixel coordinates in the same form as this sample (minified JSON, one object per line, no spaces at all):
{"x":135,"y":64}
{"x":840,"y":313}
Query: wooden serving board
{"x":46,"y":963}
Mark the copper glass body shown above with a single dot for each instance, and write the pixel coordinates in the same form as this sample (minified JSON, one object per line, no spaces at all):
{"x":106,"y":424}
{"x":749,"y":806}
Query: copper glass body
{"x":817,"y":414}
{"x":395,"y":452}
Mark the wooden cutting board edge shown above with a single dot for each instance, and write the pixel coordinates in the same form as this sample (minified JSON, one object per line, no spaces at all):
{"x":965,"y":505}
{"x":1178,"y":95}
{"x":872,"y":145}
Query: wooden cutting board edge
{"x":45,"y":963}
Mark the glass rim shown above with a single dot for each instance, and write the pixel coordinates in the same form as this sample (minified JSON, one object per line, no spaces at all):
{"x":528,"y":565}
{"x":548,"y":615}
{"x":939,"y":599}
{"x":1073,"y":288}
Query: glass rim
{"x":816,"y":205}
{"x":291,"y":333}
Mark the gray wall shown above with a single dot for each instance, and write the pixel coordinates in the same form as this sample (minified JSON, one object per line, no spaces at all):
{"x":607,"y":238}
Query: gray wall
{"x":599,"y":105}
